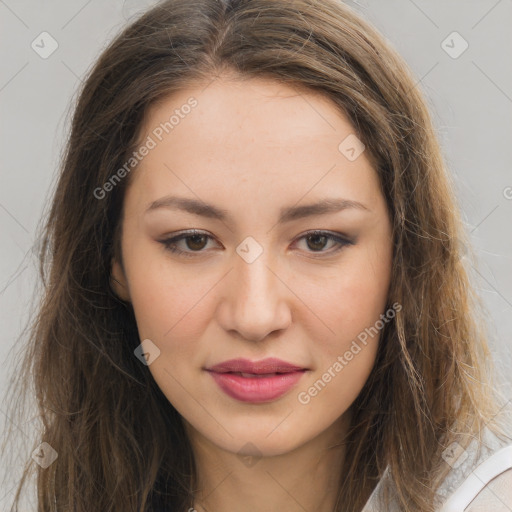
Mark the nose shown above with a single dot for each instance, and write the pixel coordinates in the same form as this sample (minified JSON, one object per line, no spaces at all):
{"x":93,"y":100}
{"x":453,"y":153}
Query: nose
{"x":255,"y":301}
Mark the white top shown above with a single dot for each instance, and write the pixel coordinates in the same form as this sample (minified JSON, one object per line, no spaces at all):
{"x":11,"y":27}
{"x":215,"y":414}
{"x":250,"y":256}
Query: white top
{"x":471,"y":473}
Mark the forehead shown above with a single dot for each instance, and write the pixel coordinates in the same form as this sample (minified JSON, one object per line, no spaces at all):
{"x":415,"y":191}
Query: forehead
{"x":261,"y":138}
{"x":253,"y":112}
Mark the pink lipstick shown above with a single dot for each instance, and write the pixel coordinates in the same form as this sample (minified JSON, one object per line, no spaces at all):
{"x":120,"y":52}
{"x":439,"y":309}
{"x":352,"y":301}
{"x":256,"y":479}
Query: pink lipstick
{"x":258,"y":381}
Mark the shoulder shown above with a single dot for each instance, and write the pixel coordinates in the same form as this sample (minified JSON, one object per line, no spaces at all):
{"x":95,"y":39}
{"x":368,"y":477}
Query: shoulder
{"x":487,"y":487}
{"x":496,"y":495}
{"x":480,"y":479}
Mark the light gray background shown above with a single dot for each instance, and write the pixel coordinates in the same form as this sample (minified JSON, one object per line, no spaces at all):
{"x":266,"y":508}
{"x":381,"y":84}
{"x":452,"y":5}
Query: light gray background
{"x":470,"y":98}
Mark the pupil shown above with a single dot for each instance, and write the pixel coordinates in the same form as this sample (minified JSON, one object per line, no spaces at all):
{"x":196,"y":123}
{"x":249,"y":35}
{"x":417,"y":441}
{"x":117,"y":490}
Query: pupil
{"x":195,"y":239}
{"x":322,"y":243}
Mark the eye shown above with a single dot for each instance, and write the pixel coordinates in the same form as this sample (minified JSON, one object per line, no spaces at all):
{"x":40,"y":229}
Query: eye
{"x":317,"y":240}
{"x":196,"y":241}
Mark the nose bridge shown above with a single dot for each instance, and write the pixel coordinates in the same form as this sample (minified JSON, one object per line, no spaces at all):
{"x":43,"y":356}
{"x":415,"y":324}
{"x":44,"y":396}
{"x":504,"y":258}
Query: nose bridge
{"x":254,"y":280}
{"x":257,"y":305}
{"x":252,"y":267}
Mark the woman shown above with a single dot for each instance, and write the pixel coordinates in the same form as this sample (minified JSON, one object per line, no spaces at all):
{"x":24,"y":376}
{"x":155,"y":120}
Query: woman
{"x":255,"y":286}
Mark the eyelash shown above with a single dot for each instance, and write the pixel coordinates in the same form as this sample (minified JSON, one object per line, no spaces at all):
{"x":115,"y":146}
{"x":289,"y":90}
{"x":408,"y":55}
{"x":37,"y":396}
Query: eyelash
{"x":170,"y":243}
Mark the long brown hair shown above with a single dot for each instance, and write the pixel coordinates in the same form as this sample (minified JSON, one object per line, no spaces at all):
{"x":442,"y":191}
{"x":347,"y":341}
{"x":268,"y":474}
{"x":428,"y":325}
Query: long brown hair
{"x":121,"y":445}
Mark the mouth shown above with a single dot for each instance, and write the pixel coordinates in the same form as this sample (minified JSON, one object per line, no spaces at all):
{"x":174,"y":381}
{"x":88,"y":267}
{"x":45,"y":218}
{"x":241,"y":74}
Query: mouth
{"x":256,"y":382}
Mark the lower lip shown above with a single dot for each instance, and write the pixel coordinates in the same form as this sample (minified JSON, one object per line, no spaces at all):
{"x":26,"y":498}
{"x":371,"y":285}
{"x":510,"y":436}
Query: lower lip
{"x":256,"y":389}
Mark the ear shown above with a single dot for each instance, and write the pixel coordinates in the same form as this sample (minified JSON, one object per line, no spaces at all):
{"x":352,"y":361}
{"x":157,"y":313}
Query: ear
{"x":118,"y":281}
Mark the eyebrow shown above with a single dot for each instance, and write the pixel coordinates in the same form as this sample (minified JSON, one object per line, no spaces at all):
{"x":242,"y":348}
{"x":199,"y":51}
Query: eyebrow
{"x":288,"y":214}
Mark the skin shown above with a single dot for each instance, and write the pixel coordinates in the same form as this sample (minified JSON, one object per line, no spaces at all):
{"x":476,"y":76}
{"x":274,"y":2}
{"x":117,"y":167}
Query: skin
{"x":253,"y":148}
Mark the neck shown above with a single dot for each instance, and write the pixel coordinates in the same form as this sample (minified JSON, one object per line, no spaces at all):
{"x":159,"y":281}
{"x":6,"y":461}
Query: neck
{"x":306,"y":478}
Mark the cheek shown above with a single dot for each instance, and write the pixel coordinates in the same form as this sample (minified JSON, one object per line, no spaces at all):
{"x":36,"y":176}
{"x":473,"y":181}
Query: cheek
{"x":172,"y":311}
{"x":333,"y":389}
{"x":348,"y":301}
{"x":351,"y":307}
{"x":168,"y":303}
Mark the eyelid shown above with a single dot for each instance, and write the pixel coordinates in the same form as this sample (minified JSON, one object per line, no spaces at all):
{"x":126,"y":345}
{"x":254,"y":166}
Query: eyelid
{"x":173,"y":240}
{"x":325,"y":232}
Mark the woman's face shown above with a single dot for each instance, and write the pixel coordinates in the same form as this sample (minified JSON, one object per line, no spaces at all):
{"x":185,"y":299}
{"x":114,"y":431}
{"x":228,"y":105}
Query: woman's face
{"x":245,"y":163}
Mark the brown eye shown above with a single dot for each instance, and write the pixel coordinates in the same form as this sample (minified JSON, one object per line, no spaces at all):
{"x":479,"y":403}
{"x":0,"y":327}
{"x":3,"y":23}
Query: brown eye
{"x":196,"y":242}
{"x":317,"y":242}
{"x":193,"y":245}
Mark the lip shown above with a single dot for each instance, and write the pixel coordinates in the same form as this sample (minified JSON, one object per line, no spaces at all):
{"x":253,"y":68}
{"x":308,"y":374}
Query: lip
{"x":252,"y":381}
{"x":269,"y":365}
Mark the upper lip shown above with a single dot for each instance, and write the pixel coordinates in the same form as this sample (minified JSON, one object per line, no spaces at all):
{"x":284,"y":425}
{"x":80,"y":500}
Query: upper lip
{"x":269,"y":365}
